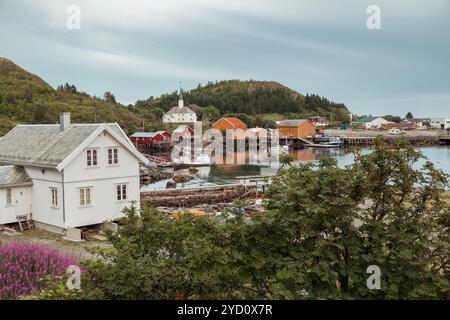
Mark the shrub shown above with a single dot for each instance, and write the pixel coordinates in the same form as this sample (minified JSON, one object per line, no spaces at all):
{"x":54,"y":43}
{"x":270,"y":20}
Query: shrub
{"x":24,"y":265}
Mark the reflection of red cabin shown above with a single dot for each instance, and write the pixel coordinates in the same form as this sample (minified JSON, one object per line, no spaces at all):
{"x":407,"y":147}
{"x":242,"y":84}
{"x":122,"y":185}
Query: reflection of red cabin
{"x":319,"y":121}
{"x":181,"y":132}
{"x":146,"y":137}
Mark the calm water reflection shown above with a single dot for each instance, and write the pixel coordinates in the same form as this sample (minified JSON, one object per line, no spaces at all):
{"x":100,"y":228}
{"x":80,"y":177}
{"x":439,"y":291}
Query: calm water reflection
{"x":224,"y":174}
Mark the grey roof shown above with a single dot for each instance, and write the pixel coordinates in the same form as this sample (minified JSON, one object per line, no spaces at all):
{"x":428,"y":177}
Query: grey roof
{"x":366,"y":119}
{"x":181,"y":129}
{"x":413,"y":120}
{"x":177,"y":110}
{"x":46,"y":145}
{"x":12,"y":176}
{"x":143,"y":135}
{"x":292,"y":123}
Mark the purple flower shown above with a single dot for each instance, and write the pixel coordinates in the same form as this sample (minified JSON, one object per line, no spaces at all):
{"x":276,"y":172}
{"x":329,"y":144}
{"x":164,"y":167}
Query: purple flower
{"x":23,"y":265}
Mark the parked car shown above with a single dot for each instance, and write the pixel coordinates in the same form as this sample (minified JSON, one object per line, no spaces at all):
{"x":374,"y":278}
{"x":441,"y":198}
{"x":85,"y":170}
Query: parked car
{"x":395,"y":131}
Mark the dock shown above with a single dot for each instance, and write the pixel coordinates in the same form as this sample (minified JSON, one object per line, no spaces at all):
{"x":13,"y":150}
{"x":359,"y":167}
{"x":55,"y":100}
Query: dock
{"x":189,"y":197}
{"x":444,"y":139}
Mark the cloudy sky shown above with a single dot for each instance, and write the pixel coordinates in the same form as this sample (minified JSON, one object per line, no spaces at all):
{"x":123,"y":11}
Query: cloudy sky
{"x":139,"y":48}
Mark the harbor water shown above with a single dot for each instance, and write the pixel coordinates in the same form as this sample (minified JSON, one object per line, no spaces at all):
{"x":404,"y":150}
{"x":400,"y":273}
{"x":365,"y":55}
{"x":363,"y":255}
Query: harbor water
{"x":228,"y":174}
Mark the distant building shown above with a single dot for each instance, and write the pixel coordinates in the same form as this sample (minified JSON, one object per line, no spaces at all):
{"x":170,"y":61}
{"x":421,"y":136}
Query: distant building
{"x":402,"y":126}
{"x":180,"y":113}
{"x":440,"y":123}
{"x":319,"y":121}
{"x":147,"y":137}
{"x":166,"y":134}
{"x":15,"y":193}
{"x":301,"y":128}
{"x":370,"y":123}
{"x":181,"y":132}
{"x":415,"y":121}
{"x":229,"y":123}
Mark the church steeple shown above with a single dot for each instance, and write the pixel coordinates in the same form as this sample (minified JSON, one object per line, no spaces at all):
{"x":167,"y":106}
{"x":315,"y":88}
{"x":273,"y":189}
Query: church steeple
{"x":180,"y":99}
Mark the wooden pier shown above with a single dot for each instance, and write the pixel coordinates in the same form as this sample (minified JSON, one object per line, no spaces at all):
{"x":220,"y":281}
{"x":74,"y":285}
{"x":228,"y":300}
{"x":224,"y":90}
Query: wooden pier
{"x":189,"y":197}
{"x":444,"y":139}
{"x":369,"y":140}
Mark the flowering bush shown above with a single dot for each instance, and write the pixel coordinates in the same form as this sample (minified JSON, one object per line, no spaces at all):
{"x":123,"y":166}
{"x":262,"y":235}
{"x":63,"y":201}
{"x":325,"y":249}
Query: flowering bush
{"x":24,"y":265}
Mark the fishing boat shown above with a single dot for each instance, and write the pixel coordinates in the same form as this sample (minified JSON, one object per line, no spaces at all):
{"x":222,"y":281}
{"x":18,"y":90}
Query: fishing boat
{"x":332,"y":143}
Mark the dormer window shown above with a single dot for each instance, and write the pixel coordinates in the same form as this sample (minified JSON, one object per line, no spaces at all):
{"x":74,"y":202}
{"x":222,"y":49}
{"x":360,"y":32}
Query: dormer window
{"x":91,"y":157}
{"x":113,"y":156}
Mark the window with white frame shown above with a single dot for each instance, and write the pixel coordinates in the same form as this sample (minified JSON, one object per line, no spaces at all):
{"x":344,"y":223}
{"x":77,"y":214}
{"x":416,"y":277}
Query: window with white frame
{"x":92,"y":157}
{"x":85,"y":197}
{"x":54,"y":196}
{"x":8,"y":196}
{"x":121,"y":192}
{"x":113,"y":156}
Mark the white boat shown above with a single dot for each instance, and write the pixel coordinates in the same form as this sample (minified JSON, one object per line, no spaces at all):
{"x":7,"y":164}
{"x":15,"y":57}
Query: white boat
{"x":332,"y":143}
{"x":284,"y":149}
{"x":187,"y":161}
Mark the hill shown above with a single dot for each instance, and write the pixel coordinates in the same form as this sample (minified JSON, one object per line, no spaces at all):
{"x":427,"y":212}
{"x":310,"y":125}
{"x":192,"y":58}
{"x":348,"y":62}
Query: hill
{"x":254,"y":98}
{"x":26,"y":98}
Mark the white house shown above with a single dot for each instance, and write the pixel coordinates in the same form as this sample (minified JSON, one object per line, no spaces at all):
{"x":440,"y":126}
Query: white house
{"x":68,"y":175}
{"x":440,"y":123}
{"x":180,"y":113}
{"x":15,"y":193}
{"x":370,"y":122}
{"x":414,"y":121}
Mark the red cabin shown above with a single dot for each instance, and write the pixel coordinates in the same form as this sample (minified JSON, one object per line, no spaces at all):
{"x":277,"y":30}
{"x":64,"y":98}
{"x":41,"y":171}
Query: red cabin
{"x":146,"y":137}
{"x":166,"y":134}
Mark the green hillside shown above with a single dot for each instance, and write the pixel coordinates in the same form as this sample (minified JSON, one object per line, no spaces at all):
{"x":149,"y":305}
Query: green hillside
{"x":254,"y":98}
{"x":26,"y":98}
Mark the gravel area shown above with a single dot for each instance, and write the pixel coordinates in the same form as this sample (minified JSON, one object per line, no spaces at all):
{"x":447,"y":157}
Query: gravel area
{"x":78,"y":250}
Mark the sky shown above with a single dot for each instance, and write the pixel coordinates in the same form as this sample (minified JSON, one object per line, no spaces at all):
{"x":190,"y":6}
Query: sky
{"x":142,"y":48}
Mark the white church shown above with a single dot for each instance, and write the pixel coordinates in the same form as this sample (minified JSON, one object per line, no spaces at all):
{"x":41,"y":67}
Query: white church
{"x":68,"y":175}
{"x":180,"y":113}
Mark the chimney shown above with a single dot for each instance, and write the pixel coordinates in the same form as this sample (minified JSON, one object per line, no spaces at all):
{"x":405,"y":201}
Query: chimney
{"x":64,"y":121}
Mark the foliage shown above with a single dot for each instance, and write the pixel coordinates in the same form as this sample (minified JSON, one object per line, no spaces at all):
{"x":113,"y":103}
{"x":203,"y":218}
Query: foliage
{"x":253,"y":98}
{"x":379,"y":211}
{"x":391,"y":118}
{"x":25,"y":98}
{"x":211,"y":113}
{"x":23,"y":265}
{"x":323,"y":227}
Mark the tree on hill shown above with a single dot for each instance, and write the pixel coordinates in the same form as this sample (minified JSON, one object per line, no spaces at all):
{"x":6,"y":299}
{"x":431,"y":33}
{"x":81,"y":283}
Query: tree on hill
{"x":391,"y":118}
{"x":409,"y":115}
{"x":109,"y":97}
{"x":26,"y":98}
{"x":211,"y":113}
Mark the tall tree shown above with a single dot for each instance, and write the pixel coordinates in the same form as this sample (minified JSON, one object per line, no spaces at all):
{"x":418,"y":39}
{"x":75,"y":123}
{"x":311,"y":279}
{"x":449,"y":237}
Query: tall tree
{"x":109,"y":97}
